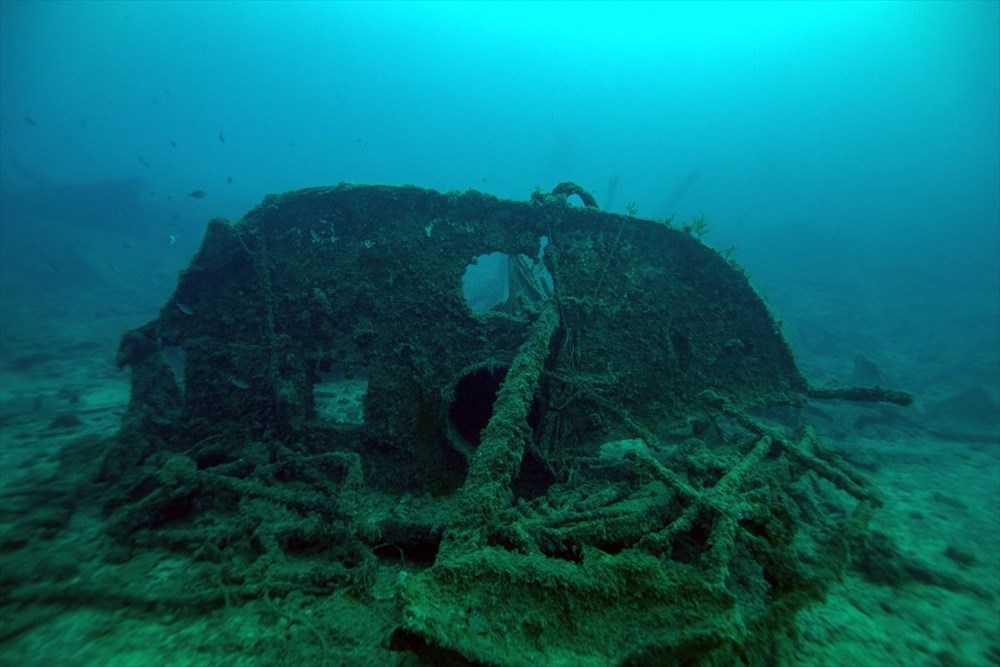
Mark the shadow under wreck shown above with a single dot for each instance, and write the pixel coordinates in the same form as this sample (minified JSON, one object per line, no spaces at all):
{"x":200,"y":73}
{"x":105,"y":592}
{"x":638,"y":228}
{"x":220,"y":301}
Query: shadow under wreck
{"x":573,"y":476}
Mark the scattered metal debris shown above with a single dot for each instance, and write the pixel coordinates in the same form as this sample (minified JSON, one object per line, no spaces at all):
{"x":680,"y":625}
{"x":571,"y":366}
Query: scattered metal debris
{"x":490,"y":451}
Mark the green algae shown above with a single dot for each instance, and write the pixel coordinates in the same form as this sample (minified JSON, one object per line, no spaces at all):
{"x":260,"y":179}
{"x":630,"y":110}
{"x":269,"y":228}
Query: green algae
{"x":541,"y":541}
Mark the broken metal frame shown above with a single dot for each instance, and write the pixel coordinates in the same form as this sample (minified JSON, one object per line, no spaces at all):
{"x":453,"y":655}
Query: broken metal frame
{"x":646,"y":333}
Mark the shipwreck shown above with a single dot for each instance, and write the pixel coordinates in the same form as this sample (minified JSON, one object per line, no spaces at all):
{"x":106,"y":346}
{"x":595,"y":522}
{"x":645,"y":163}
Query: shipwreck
{"x":581,"y":472}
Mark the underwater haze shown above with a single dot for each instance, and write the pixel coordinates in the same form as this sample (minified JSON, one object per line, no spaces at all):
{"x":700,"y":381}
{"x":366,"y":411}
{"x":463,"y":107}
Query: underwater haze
{"x":846,"y":155}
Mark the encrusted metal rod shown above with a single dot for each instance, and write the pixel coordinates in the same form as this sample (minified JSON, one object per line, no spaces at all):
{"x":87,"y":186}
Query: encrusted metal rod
{"x":862,"y":395}
{"x":498,"y":457}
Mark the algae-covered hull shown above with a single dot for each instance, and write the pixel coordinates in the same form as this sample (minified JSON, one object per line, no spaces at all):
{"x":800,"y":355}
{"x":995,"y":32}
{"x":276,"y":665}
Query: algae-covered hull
{"x":568,"y":477}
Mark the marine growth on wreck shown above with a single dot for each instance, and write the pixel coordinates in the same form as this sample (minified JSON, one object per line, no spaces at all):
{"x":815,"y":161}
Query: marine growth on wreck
{"x":582,"y":473}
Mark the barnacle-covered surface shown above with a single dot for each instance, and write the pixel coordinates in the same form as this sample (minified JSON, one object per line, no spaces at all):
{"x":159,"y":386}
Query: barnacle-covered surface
{"x":572,"y":477}
{"x":370,"y":278}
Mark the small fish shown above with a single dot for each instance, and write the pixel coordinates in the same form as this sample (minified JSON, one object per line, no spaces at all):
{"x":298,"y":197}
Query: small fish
{"x":187,"y":310}
{"x":173,"y":240}
{"x":222,"y":138}
{"x":142,"y":161}
{"x":242,"y":385}
{"x":197,"y":194}
{"x":316,"y":237}
{"x":30,"y":121}
{"x":173,"y":143}
{"x":229,"y":180}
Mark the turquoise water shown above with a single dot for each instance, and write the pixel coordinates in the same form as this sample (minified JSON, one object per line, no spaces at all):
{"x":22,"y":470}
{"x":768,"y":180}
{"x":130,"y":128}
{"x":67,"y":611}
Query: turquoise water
{"x":846,"y":155}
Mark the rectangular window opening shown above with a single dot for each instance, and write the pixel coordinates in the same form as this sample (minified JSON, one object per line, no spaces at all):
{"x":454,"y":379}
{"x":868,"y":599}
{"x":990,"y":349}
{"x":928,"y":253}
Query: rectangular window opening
{"x":339,"y":392}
